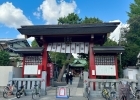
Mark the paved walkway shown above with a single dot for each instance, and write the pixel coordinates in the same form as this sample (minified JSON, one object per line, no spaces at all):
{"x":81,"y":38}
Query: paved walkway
{"x":75,"y":93}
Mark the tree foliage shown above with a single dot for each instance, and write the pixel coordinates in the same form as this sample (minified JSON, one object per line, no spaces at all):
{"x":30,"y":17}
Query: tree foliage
{"x":4,"y":58}
{"x":110,"y":42}
{"x":34,"y":43}
{"x":91,"y":20}
{"x":132,"y":44}
{"x":72,"y":18}
{"x":60,"y":58}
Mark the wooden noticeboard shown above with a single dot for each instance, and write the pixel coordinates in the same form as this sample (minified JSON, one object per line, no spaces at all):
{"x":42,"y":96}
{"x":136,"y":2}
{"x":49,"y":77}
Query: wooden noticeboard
{"x":30,"y":69}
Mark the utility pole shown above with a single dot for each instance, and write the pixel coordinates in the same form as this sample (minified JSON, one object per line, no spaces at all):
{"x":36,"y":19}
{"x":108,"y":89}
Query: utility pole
{"x":120,"y":55}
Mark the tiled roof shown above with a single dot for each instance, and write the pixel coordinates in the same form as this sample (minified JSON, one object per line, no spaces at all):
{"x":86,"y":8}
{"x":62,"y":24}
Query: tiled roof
{"x":108,"y":49}
{"x":79,"y":63}
{"x":97,"y":28}
{"x":28,"y":50}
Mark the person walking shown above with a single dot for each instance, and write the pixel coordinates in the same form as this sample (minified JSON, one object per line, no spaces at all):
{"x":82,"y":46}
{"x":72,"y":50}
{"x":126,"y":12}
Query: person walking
{"x":67,"y":78}
{"x":70,"y":78}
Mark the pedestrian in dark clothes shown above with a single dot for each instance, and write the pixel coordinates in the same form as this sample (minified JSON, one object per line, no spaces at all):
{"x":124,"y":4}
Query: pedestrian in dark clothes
{"x":67,"y":78}
{"x":70,"y":78}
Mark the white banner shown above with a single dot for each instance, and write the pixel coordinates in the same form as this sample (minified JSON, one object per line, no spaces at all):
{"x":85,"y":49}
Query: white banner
{"x":74,"y":47}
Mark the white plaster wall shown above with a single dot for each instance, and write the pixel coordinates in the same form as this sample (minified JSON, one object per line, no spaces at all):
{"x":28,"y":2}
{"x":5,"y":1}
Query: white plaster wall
{"x":125,"y":72}
{"x":4,"y":74}
{"x":133,"y":74}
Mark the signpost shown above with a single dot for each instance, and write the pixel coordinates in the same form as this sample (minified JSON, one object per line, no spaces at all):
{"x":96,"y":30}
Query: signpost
{"x":62,"y":92}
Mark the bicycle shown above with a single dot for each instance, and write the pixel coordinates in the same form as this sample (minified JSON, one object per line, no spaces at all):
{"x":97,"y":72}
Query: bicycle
{"x":87,"y":90}
{"x":21,"y":91}
{"x":8,"y":90}
{"x":36,"y":91}
{"x":124,"y":90}
{"x":134,"y":94}
{"x":108,"y":94}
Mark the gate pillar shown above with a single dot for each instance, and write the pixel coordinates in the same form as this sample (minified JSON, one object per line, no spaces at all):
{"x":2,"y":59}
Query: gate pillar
{"x":92,"y":72}
{"x":116,"y":65}
{"x":23,"y":61}
{"x":45,"y":60}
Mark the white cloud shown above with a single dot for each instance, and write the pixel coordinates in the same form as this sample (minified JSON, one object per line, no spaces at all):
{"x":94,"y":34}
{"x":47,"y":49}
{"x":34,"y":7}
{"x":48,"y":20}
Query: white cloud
{"x":13,"y":17}
{"x":20,"y":36}
{"x":51,"y":10}
{"x":36,"y":14}
{"x":30,"y":39}
{"x":115,"y":20}
{"x":115,"y":35}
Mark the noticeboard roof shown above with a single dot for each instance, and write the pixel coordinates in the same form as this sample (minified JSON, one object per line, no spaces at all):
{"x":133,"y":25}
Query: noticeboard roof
{"x":108,"y":49}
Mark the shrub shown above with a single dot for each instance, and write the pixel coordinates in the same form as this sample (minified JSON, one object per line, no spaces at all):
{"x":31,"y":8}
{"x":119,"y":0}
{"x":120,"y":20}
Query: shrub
{"x":4,"y":58}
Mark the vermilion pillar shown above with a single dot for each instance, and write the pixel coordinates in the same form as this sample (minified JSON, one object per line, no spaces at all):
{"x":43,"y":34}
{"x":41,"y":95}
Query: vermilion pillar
{"x":23,"y":64}
{"x":92,"y":72}
{"x":116,"y":65}
{"x":45,"y":60}
{"x":48,"y":76}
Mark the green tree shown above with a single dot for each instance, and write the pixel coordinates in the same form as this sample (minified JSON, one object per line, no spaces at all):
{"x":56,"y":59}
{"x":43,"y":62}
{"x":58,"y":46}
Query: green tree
{"x":72,"y":18}
{"x":60,"y":58}
{"x":91,"y":20}
{"x":110,"y":42}
{"x":34,"y":43}
{"x":4,"y":58}
{"x":129,"y":56}
{"x":132,"y":46}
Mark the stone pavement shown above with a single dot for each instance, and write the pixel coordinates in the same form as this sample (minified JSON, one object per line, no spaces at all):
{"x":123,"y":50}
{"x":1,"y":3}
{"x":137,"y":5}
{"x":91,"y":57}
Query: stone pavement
{"x":76,"y":92}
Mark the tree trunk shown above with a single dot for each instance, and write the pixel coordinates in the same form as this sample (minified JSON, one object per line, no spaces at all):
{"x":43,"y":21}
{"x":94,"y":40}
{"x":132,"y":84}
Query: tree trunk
{"x":63,"y":69}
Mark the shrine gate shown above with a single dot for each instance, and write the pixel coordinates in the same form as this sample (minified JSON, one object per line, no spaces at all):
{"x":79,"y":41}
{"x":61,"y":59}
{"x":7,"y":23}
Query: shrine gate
{"x":79,"y":38}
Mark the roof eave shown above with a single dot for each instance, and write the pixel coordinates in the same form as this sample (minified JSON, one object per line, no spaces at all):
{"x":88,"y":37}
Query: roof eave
{"x":68,"y":29}
{"x":109,"y":49}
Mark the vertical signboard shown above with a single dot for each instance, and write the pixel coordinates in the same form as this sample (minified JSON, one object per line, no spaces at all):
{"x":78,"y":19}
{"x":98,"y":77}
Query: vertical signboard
{"x":51,"y":69}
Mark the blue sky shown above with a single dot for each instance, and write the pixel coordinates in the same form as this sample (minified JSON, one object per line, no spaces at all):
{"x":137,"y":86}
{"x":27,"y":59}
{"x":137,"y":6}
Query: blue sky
{"x":15,"y":13}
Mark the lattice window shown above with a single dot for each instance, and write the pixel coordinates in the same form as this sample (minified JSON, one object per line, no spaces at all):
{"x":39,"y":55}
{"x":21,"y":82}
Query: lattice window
{"x":104,"y":60}
{"x":33,"y":60}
